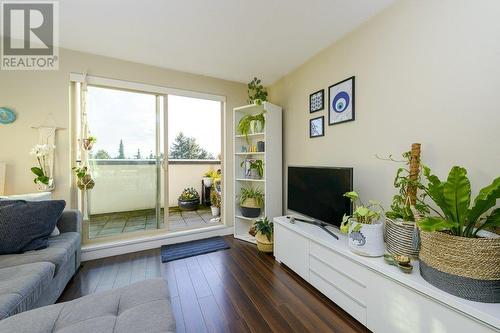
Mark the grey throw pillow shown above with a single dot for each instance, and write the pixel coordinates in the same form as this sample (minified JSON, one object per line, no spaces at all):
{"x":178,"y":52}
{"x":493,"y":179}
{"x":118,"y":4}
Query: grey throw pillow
{"x":27,"y":225}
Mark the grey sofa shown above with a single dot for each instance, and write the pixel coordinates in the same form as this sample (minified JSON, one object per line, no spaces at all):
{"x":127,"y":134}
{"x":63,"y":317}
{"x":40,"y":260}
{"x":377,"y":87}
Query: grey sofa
{"x":37,"y":278}
{"x":142,"y":307}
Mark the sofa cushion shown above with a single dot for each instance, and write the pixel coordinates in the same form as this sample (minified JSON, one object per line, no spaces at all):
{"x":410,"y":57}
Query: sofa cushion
{"x":26,"y":225}
{"x":140,"y":307}
{"x":21,"y":286}
{"x":58,"y":252}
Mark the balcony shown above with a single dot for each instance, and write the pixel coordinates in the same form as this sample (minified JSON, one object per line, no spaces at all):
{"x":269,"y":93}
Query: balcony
{"x":124,"y":197}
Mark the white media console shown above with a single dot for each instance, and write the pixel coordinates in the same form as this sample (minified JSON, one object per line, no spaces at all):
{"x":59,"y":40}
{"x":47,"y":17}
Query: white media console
{"x":378,"y":295}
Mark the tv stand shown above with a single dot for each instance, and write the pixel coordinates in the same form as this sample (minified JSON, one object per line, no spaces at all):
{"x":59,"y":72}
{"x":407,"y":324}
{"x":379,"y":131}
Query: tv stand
{"x":322,"y":225}
{"x":378,"y":295}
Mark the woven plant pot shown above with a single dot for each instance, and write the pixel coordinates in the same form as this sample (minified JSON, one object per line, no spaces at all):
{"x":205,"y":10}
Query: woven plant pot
{"x":398,"y":237}
{"x":263,"y":244}
{"x":465,"y":267}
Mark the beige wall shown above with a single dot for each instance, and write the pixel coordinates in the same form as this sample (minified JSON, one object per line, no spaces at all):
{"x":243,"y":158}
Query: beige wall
{"x":35,"y":94}
{"x":426,"y":71}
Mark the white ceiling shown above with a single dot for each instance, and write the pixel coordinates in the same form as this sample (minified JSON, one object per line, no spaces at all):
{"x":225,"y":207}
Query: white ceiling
{"x":229,"y":39}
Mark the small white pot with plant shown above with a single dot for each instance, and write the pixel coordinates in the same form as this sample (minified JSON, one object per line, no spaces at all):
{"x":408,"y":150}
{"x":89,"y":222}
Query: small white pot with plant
{"x":214,"y":202}
{"x":208,"y":177}
{"x":365,"y":229}
{"x":42,"y":171}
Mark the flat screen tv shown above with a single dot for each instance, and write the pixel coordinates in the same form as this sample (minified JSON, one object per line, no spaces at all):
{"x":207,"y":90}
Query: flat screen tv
{"x":317,"y":192}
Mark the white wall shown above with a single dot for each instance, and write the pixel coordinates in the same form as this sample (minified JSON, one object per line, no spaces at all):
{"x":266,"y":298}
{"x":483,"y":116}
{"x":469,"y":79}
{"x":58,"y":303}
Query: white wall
{"x":126,"y":187}
{"x":426,"y":71}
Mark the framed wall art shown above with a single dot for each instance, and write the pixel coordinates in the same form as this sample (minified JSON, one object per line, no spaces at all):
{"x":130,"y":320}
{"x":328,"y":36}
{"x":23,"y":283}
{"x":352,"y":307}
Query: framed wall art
{"x":317,"y":127}
{"x":341,"y":102}
{"x":317,"y":101}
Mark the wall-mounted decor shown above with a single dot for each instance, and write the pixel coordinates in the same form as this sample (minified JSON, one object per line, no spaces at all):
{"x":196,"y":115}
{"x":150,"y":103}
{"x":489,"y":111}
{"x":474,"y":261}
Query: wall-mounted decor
{"x":317,"y":101}
{"x":317,"y":127}
{"x":7,"y":116}
{"x":341,"y":102}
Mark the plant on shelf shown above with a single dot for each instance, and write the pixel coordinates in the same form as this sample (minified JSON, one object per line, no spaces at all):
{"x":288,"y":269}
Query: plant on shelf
{"x":252,"y":123}
{"x":84,"y":178}
{"x":365,"y":232}
{"x":256,"y":92}
{"x":251,"y":201}
{"x":254,"y":169}
{"x":42,"y":171}
{"x":264,"y":234}
{"x":89,"y":142}
{"x":454,"y":244}
{"x":189,"y":199}
{"x":210,"y":176}
{"x":215,"y":201}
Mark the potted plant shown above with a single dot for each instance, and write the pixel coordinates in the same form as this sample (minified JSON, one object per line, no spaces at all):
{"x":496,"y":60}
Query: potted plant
{"x":457,"y":255}
{"x":254,"y":169}
{"x":214,"y":202}
{"x":84,"y":178}
{"x":257,"y":94}
{"x":264,"y":234}
{"x":43,"y":179}
{"x":400,"y":227}
{"x":209,"y":176}
{"x":89,"y":142}
{"x":189,"y":199}
{"x":366,"y":232}
{"x":251,"y":123}
{"x":251,"y":201}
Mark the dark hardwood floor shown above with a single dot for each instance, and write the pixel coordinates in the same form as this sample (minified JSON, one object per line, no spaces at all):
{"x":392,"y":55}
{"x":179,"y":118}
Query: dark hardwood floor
{"x":236,"y":290}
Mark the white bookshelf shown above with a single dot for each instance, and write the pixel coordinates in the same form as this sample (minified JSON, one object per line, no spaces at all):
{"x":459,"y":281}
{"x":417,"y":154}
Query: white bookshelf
{"x":271,"y":183}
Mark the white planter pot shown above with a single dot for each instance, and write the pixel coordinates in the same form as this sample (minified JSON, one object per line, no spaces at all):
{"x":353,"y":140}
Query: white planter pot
{"x":215,"y":211}
{"x":366,"y":239}
{"x":207,"y":181}
{"x":41,"y":187}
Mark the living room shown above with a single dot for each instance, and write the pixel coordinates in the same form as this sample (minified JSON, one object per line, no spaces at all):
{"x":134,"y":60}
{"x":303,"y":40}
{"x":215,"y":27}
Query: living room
{"x":327,"y":166}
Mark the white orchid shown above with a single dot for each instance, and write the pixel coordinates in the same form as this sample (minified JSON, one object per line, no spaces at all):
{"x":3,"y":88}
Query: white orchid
{"x":42,"y":171}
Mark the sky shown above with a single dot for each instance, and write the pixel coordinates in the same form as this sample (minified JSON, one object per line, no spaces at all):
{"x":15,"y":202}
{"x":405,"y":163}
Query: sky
{"x":130,"y":116}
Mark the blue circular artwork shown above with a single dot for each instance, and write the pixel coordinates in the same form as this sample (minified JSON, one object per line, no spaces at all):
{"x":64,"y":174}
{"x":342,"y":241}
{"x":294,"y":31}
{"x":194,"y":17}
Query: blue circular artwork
{"x":7,"y":116}
{"x":340,"y":102}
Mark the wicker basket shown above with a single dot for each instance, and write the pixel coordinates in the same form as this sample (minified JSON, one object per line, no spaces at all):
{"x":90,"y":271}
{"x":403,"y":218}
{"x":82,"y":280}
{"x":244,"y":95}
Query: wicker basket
{"x":263,"y":244}
{"x":465,"y":267}
{"x":398,"y":237}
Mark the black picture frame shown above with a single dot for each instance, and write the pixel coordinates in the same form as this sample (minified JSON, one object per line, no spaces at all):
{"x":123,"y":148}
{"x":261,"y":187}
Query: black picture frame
{"x":322,"y":127}
{"x":353,"y":103}
{"x":311,"y":110}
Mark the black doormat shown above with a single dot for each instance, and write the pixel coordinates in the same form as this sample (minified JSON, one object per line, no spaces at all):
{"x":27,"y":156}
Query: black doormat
{"x":192,"y":248}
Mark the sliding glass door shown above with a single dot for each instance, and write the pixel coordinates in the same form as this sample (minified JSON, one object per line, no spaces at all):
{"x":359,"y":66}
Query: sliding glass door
{"x":149,"y":149}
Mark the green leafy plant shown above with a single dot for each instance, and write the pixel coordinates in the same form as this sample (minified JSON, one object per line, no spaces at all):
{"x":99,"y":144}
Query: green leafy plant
{"x":42,"y":153}
{"x":214,"y":197}
{"x":363,"y":213}
{"x":453,"y":196}
{"x":189,"y":194}
{"x":257,"y":165}
{"x":85,"y":181}
{"x":92,"y":139}
{"x":265,"y":227}
{"x":245,"y":122}
{"x":256,"y":92}
{"x":252,"y":193}
{"x":401,"y":203}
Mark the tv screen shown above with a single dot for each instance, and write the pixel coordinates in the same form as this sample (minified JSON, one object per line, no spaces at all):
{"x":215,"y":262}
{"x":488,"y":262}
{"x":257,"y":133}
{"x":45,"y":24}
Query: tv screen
{"x":318,"y":192}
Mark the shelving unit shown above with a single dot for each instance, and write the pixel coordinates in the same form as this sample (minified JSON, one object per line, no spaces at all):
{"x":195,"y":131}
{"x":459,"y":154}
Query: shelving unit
{"x":271,"y":182}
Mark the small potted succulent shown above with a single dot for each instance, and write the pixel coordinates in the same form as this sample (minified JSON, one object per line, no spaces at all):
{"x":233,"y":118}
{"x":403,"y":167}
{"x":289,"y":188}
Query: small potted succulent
{"x":189,"y":199}
{"x":251,"y":201}
{"x":365,"y":230}
{"x":89,"y":142}
{"x":214,"y":202}
{"x":264,"y":234}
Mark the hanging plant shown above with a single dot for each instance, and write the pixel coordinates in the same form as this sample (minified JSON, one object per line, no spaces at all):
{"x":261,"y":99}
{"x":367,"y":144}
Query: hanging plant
{"x":85,"y":181}
{"x":89,"y":142}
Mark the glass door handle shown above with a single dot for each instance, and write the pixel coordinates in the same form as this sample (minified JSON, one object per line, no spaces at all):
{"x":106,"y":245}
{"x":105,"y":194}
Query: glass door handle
{"x":164,"y":163}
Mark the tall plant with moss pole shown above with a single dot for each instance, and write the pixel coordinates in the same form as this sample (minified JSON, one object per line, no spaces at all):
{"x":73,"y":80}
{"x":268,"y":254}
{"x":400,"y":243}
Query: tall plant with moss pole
{"x":453,"y":196}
